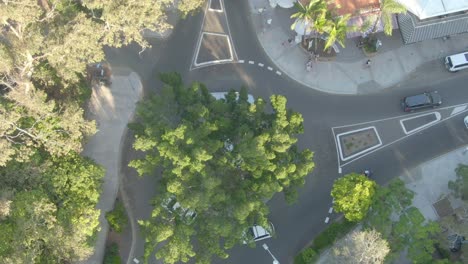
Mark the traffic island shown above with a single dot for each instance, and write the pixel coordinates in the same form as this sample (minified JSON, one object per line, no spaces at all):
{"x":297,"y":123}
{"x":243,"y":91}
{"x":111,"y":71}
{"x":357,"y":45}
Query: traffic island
{"x":357,"y":142}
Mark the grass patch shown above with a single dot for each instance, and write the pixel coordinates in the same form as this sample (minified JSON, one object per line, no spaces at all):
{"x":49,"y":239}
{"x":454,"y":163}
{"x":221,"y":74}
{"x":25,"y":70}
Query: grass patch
{"x":111,"y":255}
{"x":117,"y":218}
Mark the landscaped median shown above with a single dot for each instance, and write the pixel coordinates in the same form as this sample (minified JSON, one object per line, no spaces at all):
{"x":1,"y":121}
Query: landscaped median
{"x":323,"y":241}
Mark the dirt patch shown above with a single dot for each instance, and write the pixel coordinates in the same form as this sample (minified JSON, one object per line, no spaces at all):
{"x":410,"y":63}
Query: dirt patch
{"x":358,"y":141}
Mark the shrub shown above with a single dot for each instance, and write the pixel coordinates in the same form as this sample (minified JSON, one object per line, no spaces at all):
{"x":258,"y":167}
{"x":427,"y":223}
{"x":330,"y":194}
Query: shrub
{"x":111,"y":255}
{"x":117,"y":218}
{"x":306,"y":256}
{"x":333,"y":232}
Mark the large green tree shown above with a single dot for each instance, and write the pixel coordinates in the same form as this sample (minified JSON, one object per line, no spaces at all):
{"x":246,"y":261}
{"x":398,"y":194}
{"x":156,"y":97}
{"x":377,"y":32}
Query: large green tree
{"x":48,"y":209}
{"x":353,"y":194}
{"x":219,"y":158}
{"x":45,"y":47}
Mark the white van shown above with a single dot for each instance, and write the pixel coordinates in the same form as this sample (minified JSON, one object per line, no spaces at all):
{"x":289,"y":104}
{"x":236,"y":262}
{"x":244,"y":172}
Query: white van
{"x":457,"y":62}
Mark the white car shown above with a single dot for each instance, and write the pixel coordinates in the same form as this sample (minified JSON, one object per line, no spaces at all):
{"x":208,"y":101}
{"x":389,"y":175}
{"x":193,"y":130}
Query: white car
{"x":222,"y":95}
{"x":257,"y":233}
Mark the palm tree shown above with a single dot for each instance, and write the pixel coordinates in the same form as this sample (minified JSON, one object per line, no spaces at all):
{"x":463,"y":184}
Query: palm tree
{"x":311,"y":14}
{"x":387,"y":9}
{"x":336,"y":30}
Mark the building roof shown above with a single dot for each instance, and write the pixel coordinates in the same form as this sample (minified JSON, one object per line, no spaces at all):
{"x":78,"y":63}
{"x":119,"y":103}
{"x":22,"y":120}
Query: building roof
{"x":352,"y":7}
{"x":414,"y":30}
{"x":431,"y":8}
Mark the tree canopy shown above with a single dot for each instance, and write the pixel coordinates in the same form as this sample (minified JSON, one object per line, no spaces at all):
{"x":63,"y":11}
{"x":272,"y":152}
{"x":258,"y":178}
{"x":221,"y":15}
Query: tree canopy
{"x":360,"y":247}
{"x":219,"y":158}
{"x":353,"y":194}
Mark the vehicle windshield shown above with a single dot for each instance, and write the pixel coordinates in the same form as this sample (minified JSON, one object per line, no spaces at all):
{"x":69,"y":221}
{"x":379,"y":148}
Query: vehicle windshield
{"x":449,"y":62}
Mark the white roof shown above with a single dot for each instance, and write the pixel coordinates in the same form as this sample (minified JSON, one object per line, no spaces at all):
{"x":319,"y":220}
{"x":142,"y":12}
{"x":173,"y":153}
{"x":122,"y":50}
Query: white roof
{"x":431,"y":8}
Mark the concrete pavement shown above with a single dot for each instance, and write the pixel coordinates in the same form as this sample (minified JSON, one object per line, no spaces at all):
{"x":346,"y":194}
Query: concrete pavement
{"x":347,"y":74}
{"x":112,"y":108}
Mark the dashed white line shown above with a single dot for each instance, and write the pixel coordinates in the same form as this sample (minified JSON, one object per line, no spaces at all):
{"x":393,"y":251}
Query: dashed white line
{"x":251,"y":62}
{"x":270,"y":68}
{"x":330,"y":210}
{"x":278,"y":72}
{"x":241,"y":61}
{"x":261,"y":64}
{"x":326,"y":220}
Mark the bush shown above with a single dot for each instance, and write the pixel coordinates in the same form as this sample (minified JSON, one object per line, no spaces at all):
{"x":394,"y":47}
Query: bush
{"x":333,"y":232}
{"x":111,"y":255}
{"x":117,"y":218}
{"x":307,"y":256}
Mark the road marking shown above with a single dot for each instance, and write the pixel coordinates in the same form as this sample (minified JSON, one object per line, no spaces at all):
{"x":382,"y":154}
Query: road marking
{"x":458,"y":109}
{"x":278,"y":72}
{"x":261,"y":64}
{"x":326,"y":220}
{"x":339,"y":170}
{"x":362,"y":151}
{"x":241,"y":61}
{"x":395,"y":117}
{"x":220,"y":10}
{"x":438,"y":118}
{"x":251,"y":62}
{"x":398,"y":140}
{"x":270,"y":68}
{"x":330,"y":210}
{"x":207,"y":63}
{"x":135,"y":260}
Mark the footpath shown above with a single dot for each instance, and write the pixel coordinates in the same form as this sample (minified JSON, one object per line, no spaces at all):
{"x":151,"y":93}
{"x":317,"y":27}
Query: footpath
{"x":347,"y":73}
{"x":112,"y":108}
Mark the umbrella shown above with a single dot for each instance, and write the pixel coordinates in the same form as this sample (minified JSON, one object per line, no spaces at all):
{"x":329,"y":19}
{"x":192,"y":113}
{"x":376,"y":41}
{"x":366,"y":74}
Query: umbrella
{"x":302,"y":27}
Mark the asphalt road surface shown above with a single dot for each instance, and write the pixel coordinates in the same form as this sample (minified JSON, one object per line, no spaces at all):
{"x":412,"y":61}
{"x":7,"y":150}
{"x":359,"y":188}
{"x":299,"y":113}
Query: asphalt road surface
{"x":295,"y":225}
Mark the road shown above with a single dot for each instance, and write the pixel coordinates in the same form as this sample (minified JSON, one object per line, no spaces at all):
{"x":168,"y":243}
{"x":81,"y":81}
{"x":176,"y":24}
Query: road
{"x":296,"y":225}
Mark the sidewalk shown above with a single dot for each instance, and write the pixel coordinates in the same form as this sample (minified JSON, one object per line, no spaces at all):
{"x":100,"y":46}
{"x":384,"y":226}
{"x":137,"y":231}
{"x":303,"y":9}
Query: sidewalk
{"x":395,"y":62}
{"x":112,"y":108}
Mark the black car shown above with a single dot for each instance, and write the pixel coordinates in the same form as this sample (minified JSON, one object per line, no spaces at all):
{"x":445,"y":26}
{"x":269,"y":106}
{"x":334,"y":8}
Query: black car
{"x":427,"y":99}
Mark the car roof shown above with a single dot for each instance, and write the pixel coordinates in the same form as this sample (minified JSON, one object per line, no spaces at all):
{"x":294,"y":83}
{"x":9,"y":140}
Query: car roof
{"x":418,"y":99}
{"x":459,"y":58}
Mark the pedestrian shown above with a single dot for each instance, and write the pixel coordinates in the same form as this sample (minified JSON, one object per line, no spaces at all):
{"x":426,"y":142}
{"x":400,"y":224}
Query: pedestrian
{"x":288,"y":41}
{"x":368,"y":64}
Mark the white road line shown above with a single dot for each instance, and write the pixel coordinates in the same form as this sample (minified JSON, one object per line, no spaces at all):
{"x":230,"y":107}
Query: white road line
{"x":229,"y":30}
{"x":330,"y":210}
{"x":261,"y":64}
{"x":241,"y":61}
{"x":326,"y":220}
{"x":337,"y":154}
{"x":195,"y":53}
{"x":251,"y":62}
{"x":278,"y":72}
{"x":362,"y":151}
{"x":395,"y":117}
{"x":437,"y":115}
{"x":216,"y":10}
{"x":270,"y":68}
{"x":458,"y":109}
{"x":213,"y":61}
{"x":398,"y":140}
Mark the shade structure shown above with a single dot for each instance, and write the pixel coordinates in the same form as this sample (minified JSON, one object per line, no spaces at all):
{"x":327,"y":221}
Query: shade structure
{"x":283,"y":3}
{"x":302,"y":27}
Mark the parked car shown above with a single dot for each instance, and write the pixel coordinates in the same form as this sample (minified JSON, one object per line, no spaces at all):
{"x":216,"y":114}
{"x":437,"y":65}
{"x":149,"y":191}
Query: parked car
{"x":457,"y":62}
{"x":424,"y":100}
{"x":171,"y":204}
{"x":222,"y":96}
{"x":256,"y":233}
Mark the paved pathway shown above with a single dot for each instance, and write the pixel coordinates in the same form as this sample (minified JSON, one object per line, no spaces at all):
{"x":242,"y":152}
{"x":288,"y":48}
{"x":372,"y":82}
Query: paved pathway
{"x":112,"y":108}
{"x":346,"y":74}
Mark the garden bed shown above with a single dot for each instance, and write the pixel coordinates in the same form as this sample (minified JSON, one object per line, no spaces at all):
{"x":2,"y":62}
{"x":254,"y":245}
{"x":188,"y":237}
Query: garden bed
{"x":322,"y":55}
{"x":358,"y":141}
